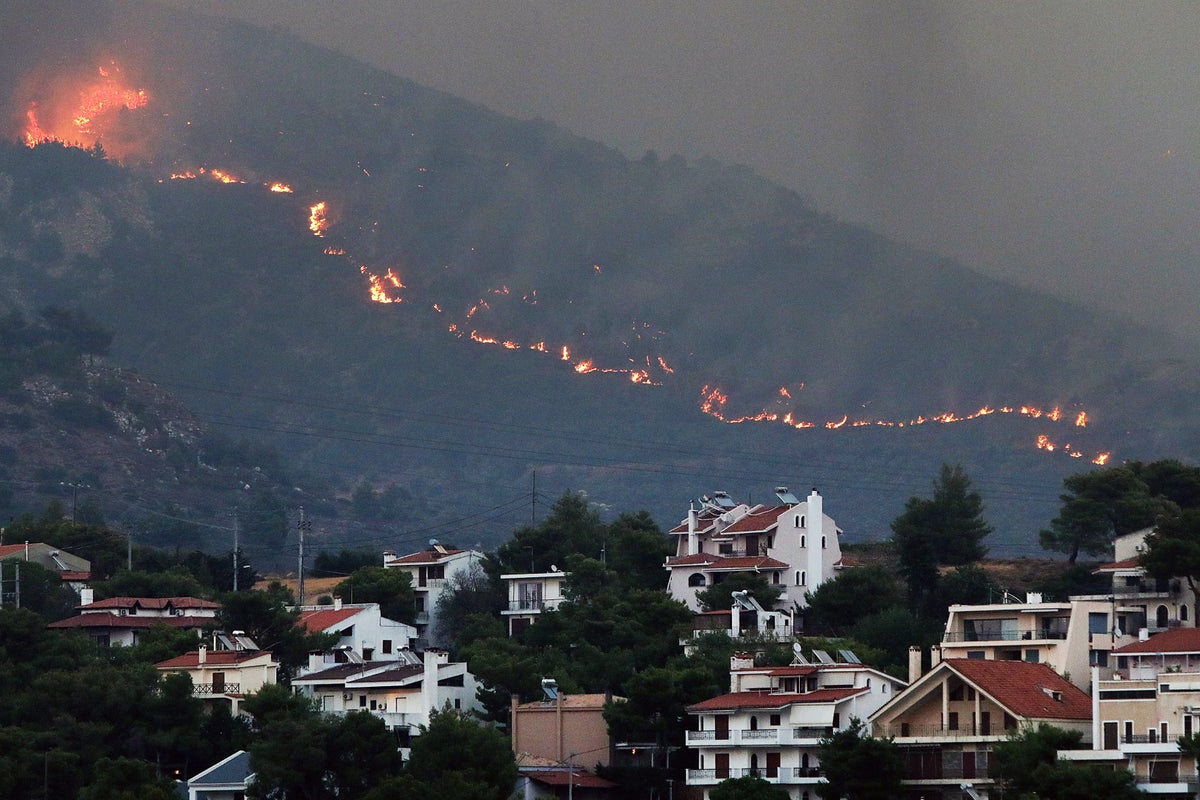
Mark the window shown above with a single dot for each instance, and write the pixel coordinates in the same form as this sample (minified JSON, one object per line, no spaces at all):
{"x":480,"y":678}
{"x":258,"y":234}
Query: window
{"x":798,"y":581}
{"x":696,"y":580}
{"x":1183,"y":613}
{"x":775,"y":720}
{"x":1032,"y":656}
{"x":1097,"y":622}
{"x":529,"y":595}
{"x":802,"y":543}
{"x":800,"y":524}
{"x":753,"y":723}
{"x":803,"y":579}
{"x":362,"y":701}
{"x":822,"y":542}
{"x":952,"y":721}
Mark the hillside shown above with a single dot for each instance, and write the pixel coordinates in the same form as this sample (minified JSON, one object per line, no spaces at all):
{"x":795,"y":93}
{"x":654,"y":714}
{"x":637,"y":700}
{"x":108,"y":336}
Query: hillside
{"x":482,"y":300}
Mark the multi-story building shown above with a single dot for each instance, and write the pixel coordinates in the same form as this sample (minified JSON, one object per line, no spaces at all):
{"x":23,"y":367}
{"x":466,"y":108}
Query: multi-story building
{"x":1070,"y":637}
{"x":121,"y":621}
{"x":225,"y":676}
{"x":430,"y":571}
{"x":73,"y":570}
{"x":402,"y":691}
{"x":792,"y":542}
{"x":360,"y":627}
{"x":1151,"y":699}
{"x":746,"y":620}
{"x":771,"y":722}
{"x":948,"y":720}
{"x":1141,"y":601}
{"x":529,"y":594}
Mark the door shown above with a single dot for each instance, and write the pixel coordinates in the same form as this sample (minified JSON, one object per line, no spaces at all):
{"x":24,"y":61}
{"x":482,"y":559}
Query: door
{"x":968,"y":762}
{"x":772,"y":765}
{"x":218,"y":683}
{"x":985,"y":723}
{"x":722,"y":721}
{"x":722,"y":766}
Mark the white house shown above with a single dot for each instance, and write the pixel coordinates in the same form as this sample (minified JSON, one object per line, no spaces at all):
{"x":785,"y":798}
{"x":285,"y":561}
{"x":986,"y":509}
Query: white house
{"x":771,"y":722}
{"x":360,"y":627}
{"x":120,"y":621}
{"x":224,"y":676}
{"x":529,"y":594}
{"x":228,"y":779}
{"x":792,"y":542}
{"x":430,"y":571}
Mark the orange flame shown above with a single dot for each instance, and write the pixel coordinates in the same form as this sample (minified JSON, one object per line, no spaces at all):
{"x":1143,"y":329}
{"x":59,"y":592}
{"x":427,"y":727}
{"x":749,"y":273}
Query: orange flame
{"x":317,"y":223}
{"x":279,"y":187}
{"x":1081,"y":421}
{"x":98,"y":104}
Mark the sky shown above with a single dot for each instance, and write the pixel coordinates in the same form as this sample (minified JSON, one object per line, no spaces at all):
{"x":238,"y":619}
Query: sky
{"x":1055,"y":144}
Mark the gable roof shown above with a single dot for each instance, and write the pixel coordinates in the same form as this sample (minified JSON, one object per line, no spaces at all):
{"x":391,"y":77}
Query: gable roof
{"x":739,"y":700}
{"x":1034,"y":691}
{"x":107,"y":619}
{"x":213,"y":658}
{"x":759,"y":520}
{"x":1119,"y":566}
{"x":705,"y":519}
{"x":1172,"y":640}
{"x":425,"y":557}
{"x":580,"y":778}
{"x":233,"y":770}
{"x":321,"y":620}
{"x":157,"y":603}
{"x":714,"y":561}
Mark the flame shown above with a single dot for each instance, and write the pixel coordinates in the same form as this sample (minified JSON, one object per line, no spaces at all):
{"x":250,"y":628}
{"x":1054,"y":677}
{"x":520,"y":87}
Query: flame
{"x":1101,"y":459}
{"x":1081,"y":421}
{"x":91,"y":116}
{"x":379,"y":286}
{"x":317,"y":223}
{"x":279,"y":187}
{"x":224,"y":177}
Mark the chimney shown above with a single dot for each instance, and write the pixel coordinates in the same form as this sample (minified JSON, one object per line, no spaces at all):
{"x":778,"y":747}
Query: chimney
{"x":87,"y":596}
{"x":693,"y":542}
{"x":815,"y":524}
{"x":914,"y":663}
{"x":935,"y":655}
{"x":337,"y":603}
{"x":738,"y":661}
{"x":513,"y":716}
{"x":201,"y":654}
{"x":429,"y":682}
{"x":388,"y":555}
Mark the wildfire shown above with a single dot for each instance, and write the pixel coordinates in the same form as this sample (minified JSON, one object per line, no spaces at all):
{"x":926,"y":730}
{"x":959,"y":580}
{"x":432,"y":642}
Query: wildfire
{"x":379,"y":286}
{"x":317,"y":222}
{"x":279,"y":187}
{"x":87,"y":119}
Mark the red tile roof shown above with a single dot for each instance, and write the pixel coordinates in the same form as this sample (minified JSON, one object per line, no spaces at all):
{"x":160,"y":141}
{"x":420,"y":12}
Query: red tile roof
{"x":107,"y":619}
{"x":1174,"y":640}
{"x":156,"y":603}
{"x":1025,"y":688}
{"x":1114,"y":566}
{"x":759,"y":520}
{"x":425,"y":557}
{"x":212,"y":658}
{"x":704,"y":521}
{"x":726,"y":562}
{"x":325,"y":618}
{"x":739,"y":700}
{"x":561,"y":777}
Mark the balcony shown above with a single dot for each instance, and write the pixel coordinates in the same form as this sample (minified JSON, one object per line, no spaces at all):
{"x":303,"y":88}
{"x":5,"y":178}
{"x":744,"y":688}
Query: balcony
{"x":216,"y":689}
{"x":1019,"y":635}
{"x":964,"y":731}
{"x":785,"y":775}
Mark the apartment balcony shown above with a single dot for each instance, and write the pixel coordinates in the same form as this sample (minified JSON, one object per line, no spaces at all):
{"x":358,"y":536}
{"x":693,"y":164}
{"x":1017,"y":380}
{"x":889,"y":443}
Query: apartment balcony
{"x":909,"y":733}
{"x":531,"y":606}
{"x":216,"y":689}
{"x":760,"y":737}
{"x":782,"y":775}
{"x":1018,"y":635}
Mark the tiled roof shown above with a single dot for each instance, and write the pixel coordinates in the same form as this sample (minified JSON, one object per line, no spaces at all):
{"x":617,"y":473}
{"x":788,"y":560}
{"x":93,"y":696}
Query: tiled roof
{"x":1129,"y":563}
{"x":425,"y":557}
{"x":1174,"y":640}
{"x":1023,"y":688}
{"x":212,"y":658}
{"x":758,"y":520}
{"x":397,"y":673}
{"x":561,"y":777}
{"x":325,"y":618}
{"x":107,"y":619}
{"x":726,"y":562}
{"x":737,"y":700}
{"x":847,"y":561}
{"x":156,"y":603}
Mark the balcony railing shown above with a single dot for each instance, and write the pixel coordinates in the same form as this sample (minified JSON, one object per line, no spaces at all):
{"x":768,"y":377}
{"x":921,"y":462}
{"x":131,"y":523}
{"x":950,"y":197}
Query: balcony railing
{"x":965,"y":729}
{"x":778,"y":775}
{"x":531,"y":605}
{"x":1022,"y":635}
{"x":217,"y":688}
{"x":811,"y":733}
{"x":760,"y":734}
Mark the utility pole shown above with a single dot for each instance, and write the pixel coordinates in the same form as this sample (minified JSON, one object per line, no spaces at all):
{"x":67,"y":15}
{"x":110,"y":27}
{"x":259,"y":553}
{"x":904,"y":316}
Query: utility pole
{"x":302,"y":527}
{"x":129,"y":550}
{"x":235,"y":549}
{"x":533,"y":501}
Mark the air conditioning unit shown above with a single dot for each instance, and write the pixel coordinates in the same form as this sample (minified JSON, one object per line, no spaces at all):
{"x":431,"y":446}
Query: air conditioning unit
{"x":347,"y":695}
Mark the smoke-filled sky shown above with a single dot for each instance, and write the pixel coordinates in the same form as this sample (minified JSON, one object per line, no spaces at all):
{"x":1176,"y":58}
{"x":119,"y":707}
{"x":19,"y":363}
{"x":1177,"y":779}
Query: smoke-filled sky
{"x":1054,"y":143}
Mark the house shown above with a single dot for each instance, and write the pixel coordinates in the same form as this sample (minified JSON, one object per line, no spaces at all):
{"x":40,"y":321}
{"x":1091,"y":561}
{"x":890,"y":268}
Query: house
{"x":1069,"y":636}
{"x":792,"y":542}
{"x":567,"y":729}
{"x":771,"y":722}
{"x":542,"y":778}
{"x":224,"y":676}
{"x":360,"y":627}
{"x":120,"y":621}
{"x":430,"y":571}
{"x":73,"y":570}
{"x":745,"y":619}
{"x":948,"y":720}
{"x":529,"y":594}
{"x":1151,"y":699}
{"x":228,"y":779}
{"x":401,"y":691}
{"x":1142,"y":601}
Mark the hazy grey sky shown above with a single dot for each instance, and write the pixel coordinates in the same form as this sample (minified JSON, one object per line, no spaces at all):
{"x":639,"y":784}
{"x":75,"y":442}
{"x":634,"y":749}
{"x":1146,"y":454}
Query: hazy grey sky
{"x":1053,"y":143}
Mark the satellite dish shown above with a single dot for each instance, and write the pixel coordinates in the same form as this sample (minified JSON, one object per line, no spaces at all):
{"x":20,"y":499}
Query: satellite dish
{"x":433,"y":542}
{"x":554,"y":568}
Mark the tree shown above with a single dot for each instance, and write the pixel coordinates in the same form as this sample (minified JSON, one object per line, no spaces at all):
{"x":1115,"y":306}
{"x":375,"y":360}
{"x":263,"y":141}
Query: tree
{"x":390,"y":588}
{"x":469,"y":595}
{"x":718,"y":597}
{"x":1173,"y":548}
{"x":1027,"y":764}
{"x":750,"y":787}
{"x":1099,"y":505}
{"x":127,"y":779}
{"x":858,"y":766}
{"x":267,"y":618}
{"x":947,"y":528}
{"x":436,"y":758}
{"x":571,"y":527}
{"x":854,"y":594}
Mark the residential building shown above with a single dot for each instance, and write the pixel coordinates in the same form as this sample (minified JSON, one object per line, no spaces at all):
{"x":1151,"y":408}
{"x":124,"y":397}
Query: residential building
{"x":792,"y":542}
{"x":400,"y":691}
{"x":228,"y":779}
{"x":948,"y":720}
{"x":569,"y":729}
{"x":1151,"y":699}
{"x":771,"y":722}
{"x":1070,"y":636}
{"x":1140,"y":600}
{"x":529,"y":594}
{"x":361,"y":628}
{"x":225,"y":676}
{"x":543,"y":778}
{"x":121,"y":621}
{"x":73,"y":570}
{"x":746,"y":619}
{"x":430,"y":571}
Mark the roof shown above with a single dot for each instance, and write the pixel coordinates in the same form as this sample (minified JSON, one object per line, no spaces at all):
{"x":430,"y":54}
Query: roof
{"x":426,"y":556}
{"x":1117,"y":566}
{"x":212,"y":658}
{"x":158,"y":603}
{"x":107,"y":619}
{"x":1024,"y":688}
{"x":1172,"y":640}
{"x":736,"y":700}
{"x":704,"y":521}
{"x":234,"y":769}
{"x":578,"y":702}
{"x":758,"y":520}
{"x":726,"y":562}
{"x":562,"y":777}
{"x":324,"y":619}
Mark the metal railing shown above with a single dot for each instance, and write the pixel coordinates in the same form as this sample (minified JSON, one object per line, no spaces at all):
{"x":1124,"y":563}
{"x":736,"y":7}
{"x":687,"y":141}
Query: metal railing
{"x":1021,"y":635}
{"x":217,"y":688}
{"x":760,"y":734}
